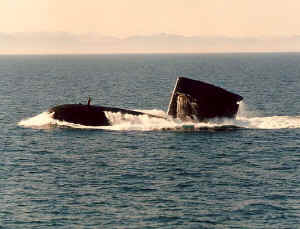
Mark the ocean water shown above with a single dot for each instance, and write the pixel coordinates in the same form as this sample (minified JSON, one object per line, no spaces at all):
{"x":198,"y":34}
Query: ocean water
{"x":144,"y":172}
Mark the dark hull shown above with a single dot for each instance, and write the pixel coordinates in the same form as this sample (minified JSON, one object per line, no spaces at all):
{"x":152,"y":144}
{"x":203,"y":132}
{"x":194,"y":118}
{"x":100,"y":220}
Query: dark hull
{"x":88,"y":115}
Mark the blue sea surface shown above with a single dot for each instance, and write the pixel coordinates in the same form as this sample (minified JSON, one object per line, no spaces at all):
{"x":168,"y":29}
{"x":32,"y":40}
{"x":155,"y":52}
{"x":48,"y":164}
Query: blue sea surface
{"x":143,"y":173}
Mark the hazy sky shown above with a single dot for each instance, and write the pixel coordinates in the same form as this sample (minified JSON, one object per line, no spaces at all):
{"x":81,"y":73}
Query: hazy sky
{"x":124,"y":18}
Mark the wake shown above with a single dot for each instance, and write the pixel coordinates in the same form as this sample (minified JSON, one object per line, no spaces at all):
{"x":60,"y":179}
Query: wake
{"x":126,"y":122}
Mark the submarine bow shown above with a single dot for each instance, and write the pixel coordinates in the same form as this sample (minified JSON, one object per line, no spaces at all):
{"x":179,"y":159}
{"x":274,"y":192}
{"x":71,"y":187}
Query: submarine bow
{"x":194,"y":100}
{"x":89,"y":115}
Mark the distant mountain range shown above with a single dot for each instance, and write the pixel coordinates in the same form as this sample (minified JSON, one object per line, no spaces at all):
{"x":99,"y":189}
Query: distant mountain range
{"x":63,"y":42}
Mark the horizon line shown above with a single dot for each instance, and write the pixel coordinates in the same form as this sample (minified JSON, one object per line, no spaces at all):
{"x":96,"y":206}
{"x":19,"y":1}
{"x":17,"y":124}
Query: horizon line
{"x":148,"y":53}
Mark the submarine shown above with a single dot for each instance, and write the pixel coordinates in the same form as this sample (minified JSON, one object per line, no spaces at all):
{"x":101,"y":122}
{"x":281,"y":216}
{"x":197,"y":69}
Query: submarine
{"x":191,"y":100}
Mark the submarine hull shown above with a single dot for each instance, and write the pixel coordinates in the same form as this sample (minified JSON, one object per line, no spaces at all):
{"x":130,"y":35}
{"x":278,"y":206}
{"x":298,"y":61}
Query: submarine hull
{"x":88,"y":115}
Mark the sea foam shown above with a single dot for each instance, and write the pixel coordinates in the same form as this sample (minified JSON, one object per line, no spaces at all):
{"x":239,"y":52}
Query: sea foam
{"x":127,"y":122}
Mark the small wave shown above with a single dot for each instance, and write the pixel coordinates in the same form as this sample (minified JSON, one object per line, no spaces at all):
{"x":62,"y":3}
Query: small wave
{"x":257,"y":207}
{"x":127,"y":122}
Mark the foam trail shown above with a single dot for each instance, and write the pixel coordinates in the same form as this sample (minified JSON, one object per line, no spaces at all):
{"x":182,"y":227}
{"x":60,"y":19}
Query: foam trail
{"x":272,"y":122}
{"x":251,"y":119}
{"x":126,"y":122}
{"x":39,"y":121}
{"x":142,"y":122}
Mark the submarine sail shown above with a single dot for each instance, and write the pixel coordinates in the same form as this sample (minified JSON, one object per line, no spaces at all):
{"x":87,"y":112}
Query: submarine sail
{"x":194,"y":100}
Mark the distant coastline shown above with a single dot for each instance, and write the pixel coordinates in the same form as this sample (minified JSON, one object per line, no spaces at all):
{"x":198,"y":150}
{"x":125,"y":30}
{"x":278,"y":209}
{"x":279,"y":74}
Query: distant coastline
{"x":68,"y":43}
